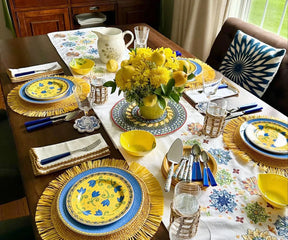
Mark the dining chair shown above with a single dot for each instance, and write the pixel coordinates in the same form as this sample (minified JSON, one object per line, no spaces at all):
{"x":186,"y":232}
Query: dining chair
{"x":276,"y":92}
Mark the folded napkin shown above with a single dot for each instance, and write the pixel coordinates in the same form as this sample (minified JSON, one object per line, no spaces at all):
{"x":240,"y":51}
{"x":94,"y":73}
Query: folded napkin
{"x":39,"y":73}
{"x":39,"y":153}
{"x":197,"y":97}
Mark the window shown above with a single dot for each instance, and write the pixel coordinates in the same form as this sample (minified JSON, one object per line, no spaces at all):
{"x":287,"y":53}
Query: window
{"x":271,"y":15}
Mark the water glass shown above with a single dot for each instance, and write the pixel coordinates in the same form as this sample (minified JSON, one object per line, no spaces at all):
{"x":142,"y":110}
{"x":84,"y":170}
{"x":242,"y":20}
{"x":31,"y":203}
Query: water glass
{"x":210,"y":86}
{"x":141,"y":36}
{"x":215,"y":118}
{"x":185,"y":200}
{"x":82,"y":100}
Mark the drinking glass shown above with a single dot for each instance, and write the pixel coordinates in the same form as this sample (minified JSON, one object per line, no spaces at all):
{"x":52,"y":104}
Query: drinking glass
{"x":185,"y":200}
{"x":210,"y":86}
{"x":82,"y":100}
{"x":141,"y":36}
{"x":176,"y":232}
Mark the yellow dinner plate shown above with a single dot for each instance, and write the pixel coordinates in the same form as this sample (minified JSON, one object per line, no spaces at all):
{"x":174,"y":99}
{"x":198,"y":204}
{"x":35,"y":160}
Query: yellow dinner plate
{"x":99,"y":198}
{"x":269,"y":136}
{"x":47,"y":89}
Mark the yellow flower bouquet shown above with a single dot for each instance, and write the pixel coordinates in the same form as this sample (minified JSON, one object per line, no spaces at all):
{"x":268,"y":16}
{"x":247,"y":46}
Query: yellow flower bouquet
{"x":151,"y":77}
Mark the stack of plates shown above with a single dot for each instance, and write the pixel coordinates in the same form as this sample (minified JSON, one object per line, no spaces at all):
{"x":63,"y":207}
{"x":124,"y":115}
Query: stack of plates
{"x":99,"y":201}
{"x":46,"y":90}
{"x":266,"y":136}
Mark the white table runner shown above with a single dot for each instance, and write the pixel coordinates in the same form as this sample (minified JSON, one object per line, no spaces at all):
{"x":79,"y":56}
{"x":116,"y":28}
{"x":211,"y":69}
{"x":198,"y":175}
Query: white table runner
{"x":232,"y":210}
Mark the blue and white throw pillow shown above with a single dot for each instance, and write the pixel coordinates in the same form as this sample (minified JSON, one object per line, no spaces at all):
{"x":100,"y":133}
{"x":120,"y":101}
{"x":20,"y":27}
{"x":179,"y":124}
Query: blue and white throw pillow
{"x":251,"y":63}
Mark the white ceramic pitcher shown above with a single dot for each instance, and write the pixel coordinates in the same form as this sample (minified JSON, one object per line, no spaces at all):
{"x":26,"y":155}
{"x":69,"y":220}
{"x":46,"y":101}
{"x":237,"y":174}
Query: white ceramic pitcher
{"x":111,"y":43}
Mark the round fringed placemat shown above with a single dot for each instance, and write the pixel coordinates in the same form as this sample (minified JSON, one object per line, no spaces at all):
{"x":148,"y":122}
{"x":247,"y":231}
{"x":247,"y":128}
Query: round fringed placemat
{"x":234,"y":142}
{"x":17,"y":104}
{"x":143,"y":226}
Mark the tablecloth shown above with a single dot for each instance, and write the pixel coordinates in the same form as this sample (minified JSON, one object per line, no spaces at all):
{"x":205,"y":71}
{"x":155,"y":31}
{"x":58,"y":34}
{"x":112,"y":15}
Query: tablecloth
{"x":232,"y":210}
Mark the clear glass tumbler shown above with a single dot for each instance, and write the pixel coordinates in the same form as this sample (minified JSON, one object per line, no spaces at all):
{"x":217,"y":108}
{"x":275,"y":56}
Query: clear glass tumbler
{"x":141,"y":36}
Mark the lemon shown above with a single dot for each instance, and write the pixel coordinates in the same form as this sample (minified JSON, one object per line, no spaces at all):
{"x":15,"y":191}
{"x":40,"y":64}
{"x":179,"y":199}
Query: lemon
{"x":124,"y":63}
{"x":180,"y":78}
{"x":183,"y":63}
{"x":112,"y":65}
{"x":150,"y":100}
{"x":159,"y":58}
{"x":128,"y":71}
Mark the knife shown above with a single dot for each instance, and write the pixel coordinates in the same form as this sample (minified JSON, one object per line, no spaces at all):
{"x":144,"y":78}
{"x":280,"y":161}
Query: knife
{"x":174,"y":156}
{"x":238,"y":114}
{"x":33,"y":122}
{"x":243,"y":107}
{"x":35,"y":71}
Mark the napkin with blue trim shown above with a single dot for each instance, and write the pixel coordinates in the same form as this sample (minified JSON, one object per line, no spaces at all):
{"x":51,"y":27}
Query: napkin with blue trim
{"x":39,"y":153}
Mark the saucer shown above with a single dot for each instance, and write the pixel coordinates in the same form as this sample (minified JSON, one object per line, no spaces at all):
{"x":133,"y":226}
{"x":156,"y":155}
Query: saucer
{"x":87,"y":124}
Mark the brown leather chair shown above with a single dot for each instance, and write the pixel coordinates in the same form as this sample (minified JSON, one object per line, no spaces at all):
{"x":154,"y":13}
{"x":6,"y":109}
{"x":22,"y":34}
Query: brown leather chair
{"x":277,"y":93}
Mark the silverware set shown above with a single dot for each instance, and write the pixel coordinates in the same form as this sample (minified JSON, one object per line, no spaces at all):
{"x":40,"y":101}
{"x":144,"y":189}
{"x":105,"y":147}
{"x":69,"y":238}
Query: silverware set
{"x":189,"y":167}
{"x":242,"y":110}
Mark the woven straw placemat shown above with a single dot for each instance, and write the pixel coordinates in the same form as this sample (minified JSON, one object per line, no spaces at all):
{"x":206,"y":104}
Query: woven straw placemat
{"x":143,"y":226}
{"x":17,"y":104}
{"x":234,"y":142}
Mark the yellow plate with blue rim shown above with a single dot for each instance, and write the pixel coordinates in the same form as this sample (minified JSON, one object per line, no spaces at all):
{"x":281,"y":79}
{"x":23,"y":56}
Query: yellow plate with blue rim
{"x":268,"y":135}
{"x":99,"y":199}
{"x":47,"y":89}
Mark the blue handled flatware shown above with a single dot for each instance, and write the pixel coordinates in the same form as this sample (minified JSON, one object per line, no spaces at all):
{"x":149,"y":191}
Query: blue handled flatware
{"x":40,"y":123}
{"x":196,"y":168}
{"x":207,"y":174}
{"x":248,"y":111}
{"x":65,"y":154}
{"x":35,"y":71}
{"x":241,"y":108}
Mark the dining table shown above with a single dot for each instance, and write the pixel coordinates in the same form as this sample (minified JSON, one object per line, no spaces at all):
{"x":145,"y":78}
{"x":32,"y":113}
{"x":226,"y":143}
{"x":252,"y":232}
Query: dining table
{"x":35,"y":50}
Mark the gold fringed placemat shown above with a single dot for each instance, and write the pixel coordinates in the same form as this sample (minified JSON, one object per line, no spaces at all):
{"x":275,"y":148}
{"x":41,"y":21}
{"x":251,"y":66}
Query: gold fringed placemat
{"x":234,"y":142}
{"x":17,"y":104}
{"x":143,"y":226}
{"x":198,"y":82}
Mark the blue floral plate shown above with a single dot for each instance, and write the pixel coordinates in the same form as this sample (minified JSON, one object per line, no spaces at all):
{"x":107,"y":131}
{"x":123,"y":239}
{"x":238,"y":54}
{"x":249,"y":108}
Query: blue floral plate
{"x":26,"y":98}
{"x":255,"y":147}
{"x":78,"y":227}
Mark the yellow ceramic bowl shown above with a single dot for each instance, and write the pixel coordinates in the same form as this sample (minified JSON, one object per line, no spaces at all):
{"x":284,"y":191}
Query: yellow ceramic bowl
{"x":81,"y":66}
{"x":137,"y":142}
{"x":274,"y":189}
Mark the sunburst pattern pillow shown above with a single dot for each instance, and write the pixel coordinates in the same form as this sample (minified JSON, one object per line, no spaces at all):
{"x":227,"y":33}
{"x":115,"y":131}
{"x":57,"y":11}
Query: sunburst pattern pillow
{"x":251,"y":63}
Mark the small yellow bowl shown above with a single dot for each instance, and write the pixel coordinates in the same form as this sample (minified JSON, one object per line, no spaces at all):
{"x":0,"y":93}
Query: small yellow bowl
{"x":81,"y":66}
{"x":274,"y":189}
{"x":137,"y":142}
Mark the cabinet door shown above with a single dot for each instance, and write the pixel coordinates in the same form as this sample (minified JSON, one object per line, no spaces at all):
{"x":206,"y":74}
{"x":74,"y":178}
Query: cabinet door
{"x":139,"y":11}
{"x":41,"y":22}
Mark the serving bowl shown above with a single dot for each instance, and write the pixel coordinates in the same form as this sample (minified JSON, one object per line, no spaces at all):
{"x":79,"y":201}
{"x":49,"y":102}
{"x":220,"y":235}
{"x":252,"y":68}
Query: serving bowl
{"x":137,"y":142}
{"x":274,"y":189}
{"x":81,"y":66}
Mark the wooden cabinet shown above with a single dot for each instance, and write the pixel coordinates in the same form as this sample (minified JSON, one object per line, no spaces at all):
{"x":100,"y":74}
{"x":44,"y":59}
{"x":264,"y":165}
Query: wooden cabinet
{"x":41,"y":22}
{"x":35,"y":17}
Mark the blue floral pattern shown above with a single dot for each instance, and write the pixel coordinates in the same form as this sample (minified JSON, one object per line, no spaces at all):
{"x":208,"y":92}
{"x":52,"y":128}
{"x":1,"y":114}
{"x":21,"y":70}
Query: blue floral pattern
{"x":220,"y":155}
{"x":281,"y":225}
{"x":223,"y":201}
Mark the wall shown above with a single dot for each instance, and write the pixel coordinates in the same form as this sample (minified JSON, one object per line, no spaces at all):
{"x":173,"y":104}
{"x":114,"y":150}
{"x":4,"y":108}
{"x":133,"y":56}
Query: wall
{"x":5,"y":33}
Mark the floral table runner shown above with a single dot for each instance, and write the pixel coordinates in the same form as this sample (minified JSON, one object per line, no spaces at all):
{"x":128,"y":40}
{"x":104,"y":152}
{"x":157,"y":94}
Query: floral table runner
{"x":232,"y":210}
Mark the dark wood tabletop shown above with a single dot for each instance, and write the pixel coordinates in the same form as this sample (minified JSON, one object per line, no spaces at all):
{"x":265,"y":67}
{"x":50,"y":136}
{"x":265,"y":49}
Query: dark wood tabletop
{"x":28,"y":51}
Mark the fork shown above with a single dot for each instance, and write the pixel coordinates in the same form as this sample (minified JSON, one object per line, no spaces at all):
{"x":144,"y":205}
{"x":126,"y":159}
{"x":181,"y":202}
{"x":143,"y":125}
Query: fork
{"x":35,"y":71}
{"x":62,"y":155}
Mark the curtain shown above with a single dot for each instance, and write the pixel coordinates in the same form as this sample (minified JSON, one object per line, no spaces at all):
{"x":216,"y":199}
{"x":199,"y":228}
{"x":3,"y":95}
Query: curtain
{"x":196,"y":23}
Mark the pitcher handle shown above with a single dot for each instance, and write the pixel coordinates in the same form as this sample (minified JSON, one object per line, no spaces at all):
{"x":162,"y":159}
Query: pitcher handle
{"x":132,"y":37}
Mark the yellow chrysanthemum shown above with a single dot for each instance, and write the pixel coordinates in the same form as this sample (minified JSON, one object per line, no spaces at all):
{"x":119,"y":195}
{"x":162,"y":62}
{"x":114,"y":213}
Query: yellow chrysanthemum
{"x":158,"y":76}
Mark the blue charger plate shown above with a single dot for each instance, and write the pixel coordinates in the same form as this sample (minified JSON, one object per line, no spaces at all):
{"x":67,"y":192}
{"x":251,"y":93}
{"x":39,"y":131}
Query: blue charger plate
{"x":24,"y":96}
{"x":105,"y":229}
{"x":254,"y":147}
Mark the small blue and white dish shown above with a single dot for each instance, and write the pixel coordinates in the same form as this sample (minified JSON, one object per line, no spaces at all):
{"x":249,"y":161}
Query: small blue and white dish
{"x":87,"y":124}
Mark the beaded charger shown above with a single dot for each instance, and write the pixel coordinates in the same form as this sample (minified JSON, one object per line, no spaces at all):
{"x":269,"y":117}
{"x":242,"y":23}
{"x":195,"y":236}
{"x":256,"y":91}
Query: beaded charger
{"x":17,"y":104}
{"x":142,"y":226}
{"x":233,"y":140}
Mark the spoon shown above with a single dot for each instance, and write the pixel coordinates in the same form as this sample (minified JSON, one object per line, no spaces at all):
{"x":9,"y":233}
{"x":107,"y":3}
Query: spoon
{"x":196,"y":169}
{"x":206,"y":171}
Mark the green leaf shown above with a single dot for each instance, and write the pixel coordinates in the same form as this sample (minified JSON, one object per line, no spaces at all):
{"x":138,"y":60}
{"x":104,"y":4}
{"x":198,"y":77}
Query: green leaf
{"x":158,"y":91}
{"x":163,"y":87}
{"x":184,"y":69}
{"x":111,"y":84}
{"x":175,"y":97}
{"x":190,"y":76}
{"x":169,"y":86}
{"x":162,"y":102}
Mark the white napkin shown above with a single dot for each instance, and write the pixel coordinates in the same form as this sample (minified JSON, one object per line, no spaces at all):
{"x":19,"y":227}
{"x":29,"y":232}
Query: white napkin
{"x":39,"y":153}
{"x":197,"y":97}
{"x":34,"y":68}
